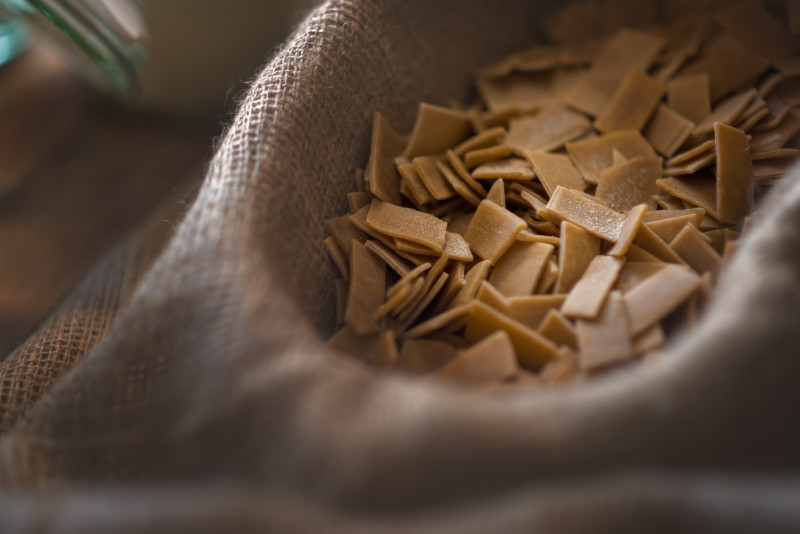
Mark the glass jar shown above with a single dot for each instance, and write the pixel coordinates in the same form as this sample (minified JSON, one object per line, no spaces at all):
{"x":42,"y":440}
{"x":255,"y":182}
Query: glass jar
{"x":103,"y":40}
{"x":185,"y":57}
{"x":13,"y":38}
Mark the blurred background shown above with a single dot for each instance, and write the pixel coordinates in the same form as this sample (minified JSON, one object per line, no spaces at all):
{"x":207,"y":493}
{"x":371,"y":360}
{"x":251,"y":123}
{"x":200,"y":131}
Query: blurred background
{"x":80,"y":165}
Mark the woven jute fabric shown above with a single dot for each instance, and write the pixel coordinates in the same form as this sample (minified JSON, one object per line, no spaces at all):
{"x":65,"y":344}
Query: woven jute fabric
{"x":184,"y":387}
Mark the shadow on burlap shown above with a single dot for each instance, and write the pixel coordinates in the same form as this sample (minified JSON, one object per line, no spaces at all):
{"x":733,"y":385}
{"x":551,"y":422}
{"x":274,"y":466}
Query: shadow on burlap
{"x":187,"y":389}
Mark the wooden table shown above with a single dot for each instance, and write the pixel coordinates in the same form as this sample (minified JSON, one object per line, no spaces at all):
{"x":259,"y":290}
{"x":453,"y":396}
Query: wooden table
{"x":77,"y":173}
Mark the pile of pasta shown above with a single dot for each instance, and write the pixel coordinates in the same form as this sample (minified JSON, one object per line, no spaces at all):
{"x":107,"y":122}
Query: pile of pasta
{"x":580,"y":213}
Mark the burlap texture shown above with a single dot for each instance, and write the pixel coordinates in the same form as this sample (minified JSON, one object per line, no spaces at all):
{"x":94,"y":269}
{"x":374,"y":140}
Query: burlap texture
{"x":191,"y":393}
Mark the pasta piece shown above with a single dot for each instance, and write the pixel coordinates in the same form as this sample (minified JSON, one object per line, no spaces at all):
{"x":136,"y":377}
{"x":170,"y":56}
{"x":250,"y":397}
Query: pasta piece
{"x":587,"y":297}
{"x":366,"y":291}
{"x":533,"y":350}
{"x":593,"y":156}
{"x":629,"y":231}
{"x":492,"y":230}
{"x":381,"y":174}
{"x":546,"y":131}
{"x":484,"y":139}
{"x":632,"y":104}
{"x":726,"y":112}
{"x":690,"y":96}
{"x":436,"y":129}
{"x":490,"y":295}
{"x":472,"y":282}
{"x":630,"y":184}
{"x":420,"y":356}
{"x":490,"y":359}
{"x":478,"y":156}
{"x":730,"y":66}
{"x":531,"y":310}
{"x":735,"y":188}
{"x":338,"y":257}
{"x":558,"y":329}
{"x":634,"y":273}
{"x":606,"y":341}
{"x":555,"y":170}
{"x":584,"y":211}
{"x":578,"y":249}
{"x":626,"y":50}
{"x":667,"y":130}
{"x":659,"y":295}
{"x":508,"y":168}
{"x":668,"y":229}
{"x":406,"y":223}
{"x":697,"y":251}
{"x":519,"y":269}
{"x":432,"y":178}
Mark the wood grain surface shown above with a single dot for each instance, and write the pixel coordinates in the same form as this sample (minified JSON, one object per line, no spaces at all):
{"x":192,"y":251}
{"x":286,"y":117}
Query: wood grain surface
{"x":77,"y":173}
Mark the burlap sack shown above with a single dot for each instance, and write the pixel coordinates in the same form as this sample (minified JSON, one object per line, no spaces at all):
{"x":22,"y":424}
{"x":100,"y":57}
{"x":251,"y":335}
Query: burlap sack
{"x":187,"y":390}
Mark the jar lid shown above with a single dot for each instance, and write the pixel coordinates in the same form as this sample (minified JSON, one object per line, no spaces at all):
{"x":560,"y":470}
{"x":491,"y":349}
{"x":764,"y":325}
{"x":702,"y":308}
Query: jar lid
{"x":103,"y":39}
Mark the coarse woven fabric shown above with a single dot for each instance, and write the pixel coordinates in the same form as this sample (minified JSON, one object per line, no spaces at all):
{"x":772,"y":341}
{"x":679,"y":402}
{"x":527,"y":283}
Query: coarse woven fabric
{"x":190,"y":392}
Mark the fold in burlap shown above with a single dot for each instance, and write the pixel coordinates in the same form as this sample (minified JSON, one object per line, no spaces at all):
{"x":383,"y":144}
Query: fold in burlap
{"x":197,"y":396}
